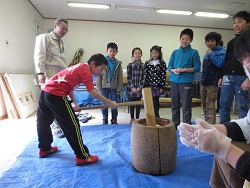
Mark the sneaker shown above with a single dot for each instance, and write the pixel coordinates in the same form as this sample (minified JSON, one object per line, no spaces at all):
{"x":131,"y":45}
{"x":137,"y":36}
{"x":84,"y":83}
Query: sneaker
{"x":202,"y":113}
{"x":92,"y":159}
{"x":114,"y":121}
{"x":82,"y":118}
{"x":43,"y":153}
{"x":89,"y":116}
{"x":58,"y":132}
{"x":131,"y":121}
{"x":85,"y":115}
{"x":217,"y":115}
{"x":104,"y":122}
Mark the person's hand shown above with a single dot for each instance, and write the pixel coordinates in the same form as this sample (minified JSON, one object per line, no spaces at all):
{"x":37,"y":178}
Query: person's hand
{"x":219,"y":82}
{"x":211,"y":141}
{"x":75,"y":107}
{"x":175,"y":71}
{"x":134,"y":90}
{"x":245,"y":85}
{"x":204,"y":137}
{"x":209,"y":51}
{"x":41,"y":79}
{"x":180,"y":70}
{"x":113,"y":104}
{"x":186,"y":130}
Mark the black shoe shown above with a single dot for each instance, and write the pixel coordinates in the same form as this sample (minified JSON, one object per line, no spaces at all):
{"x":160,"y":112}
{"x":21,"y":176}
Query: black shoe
{"x":104,"y":122}
{"x":114,"y":121}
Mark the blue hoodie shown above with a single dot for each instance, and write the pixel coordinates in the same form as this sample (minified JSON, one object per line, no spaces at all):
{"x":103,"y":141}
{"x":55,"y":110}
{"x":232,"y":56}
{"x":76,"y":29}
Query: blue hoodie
{"x":211,"y":66}
{"x":184,"y":58}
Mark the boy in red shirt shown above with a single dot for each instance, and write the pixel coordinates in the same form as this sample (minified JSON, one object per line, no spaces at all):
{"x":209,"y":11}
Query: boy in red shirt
{"x":53,"y":104}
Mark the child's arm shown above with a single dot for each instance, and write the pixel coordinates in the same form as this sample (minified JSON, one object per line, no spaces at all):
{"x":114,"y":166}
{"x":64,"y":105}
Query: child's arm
{"x":217,"y":59}
{"x":196,"y":62}
{"x":99,"y":82}
{"x":190,"y":70}
{"x":163,"y":75}
{"x":120,"y":79}
{"x":103,"y":99}
{"x":74,"y":104}
{"x":147,"y":75}
{"x":143,"y":77}
{"x":171,"y":63}
{"x":129,"y":77}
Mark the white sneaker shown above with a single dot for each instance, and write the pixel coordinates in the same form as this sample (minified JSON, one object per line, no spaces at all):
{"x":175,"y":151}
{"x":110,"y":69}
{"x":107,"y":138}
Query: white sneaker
{"x":56,"y":130}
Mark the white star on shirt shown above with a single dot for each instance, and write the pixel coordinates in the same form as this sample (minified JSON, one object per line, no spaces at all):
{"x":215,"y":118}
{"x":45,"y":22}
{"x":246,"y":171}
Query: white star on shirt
{"x":60,"y":79}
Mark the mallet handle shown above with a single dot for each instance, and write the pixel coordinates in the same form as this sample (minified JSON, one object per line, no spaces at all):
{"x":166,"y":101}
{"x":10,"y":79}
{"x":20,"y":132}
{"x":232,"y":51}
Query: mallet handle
{"x":149,"y":106}
{"x":107,"y":106}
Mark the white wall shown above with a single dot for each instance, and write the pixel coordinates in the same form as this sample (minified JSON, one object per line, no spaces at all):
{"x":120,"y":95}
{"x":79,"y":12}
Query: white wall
{"x":94,"y":36}
{"x":17,"y":20}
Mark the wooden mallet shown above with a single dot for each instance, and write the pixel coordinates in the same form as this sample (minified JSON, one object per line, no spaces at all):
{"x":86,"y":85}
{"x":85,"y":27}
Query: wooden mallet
{"x":107,"y":106}
{"x":149,"y":106}
{"x":147,"y":102}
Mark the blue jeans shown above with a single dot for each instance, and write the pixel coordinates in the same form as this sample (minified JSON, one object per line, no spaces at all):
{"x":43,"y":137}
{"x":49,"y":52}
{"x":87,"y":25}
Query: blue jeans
{"x":112,"y":95}
{"x":231,"y":86}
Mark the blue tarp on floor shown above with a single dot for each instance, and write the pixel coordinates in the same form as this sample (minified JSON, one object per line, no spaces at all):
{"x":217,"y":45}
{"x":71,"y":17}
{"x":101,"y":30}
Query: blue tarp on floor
{"x":83,"y":98}
{"x":113,"y":170}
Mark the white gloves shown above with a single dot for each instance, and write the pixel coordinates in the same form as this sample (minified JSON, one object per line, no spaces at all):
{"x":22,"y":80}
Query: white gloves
{"x":188,"y":130}
{"x":204,"y":137}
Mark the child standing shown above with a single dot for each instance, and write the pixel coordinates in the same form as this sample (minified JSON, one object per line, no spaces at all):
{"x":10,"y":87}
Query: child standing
{"x":213,"y":60}
{"x":228,"y":142}
{"x":234,"y":82}
{"x":53,"y":104}
{"x":155,"y":76}
{"x":183,"y":63}
{"x":136,"y":80}
{"x":110,"y":81}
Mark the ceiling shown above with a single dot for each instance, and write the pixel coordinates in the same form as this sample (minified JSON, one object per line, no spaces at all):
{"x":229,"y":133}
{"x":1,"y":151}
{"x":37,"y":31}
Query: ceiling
{"x":59,"y":8}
